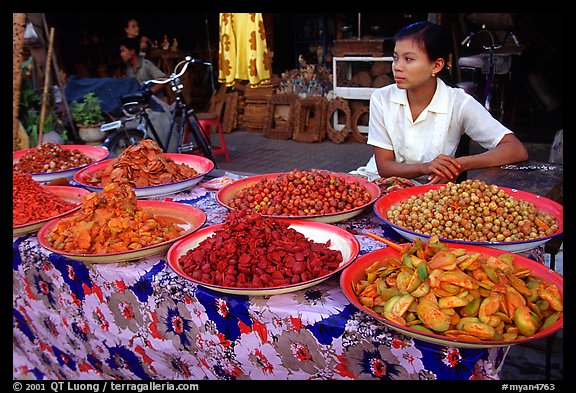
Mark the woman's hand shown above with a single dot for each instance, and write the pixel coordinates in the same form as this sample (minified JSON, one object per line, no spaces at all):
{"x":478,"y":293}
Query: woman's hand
{"x":443,"y":169}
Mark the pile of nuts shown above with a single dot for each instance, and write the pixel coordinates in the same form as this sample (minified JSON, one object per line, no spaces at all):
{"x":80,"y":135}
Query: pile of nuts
{"x":50,"y":157}
{"x":472,"y":211}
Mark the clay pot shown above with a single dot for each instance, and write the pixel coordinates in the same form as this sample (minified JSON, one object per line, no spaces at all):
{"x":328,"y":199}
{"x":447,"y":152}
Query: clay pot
{"x":91,"y":135}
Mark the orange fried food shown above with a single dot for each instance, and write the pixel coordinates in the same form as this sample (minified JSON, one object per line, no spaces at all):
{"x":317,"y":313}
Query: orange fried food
{"x":110,"y":221}
{"x":142,"y":165}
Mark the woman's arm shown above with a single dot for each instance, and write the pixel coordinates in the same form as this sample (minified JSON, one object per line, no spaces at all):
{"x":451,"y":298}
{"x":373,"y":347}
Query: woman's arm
{"x":445,"y":168}
{"x":387,"y":166}
{"x":442,"y":167}
{"x":509,"y":150}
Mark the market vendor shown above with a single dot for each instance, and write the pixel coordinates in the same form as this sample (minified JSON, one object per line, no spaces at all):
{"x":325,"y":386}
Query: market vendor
{"x":137,"y":66}
{"x":416,"y":123}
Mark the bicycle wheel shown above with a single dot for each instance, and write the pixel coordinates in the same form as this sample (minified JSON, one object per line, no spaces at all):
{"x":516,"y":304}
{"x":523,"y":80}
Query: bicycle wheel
{"x":119,"y":141}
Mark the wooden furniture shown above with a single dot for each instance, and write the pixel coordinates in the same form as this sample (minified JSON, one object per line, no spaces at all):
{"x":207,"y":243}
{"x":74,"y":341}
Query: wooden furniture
{"x":278,"y":124}
{"x":309,"y":119}
{"x":361,"y":47}
{"x":353,"y":93}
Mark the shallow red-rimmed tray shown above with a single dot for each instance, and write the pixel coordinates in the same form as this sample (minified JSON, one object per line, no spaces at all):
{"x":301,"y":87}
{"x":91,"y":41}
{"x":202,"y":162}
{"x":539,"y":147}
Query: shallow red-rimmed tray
{"x":185,"y":215}
{"x":356,"y":272}
{"x":319,"y":232}
{"x":96,"y":153}
{"x":227,"y":193}
{"x":70,"y":194}
{"x":200,"y":164}
{"x":383,"y":205}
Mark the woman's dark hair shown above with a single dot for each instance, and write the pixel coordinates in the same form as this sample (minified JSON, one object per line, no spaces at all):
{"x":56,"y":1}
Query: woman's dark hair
{"x":433,"y":39}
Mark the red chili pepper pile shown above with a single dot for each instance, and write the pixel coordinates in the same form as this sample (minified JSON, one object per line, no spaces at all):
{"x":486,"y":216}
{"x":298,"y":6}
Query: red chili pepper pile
{"x":31,"y":202}
{"x":252,"y":251}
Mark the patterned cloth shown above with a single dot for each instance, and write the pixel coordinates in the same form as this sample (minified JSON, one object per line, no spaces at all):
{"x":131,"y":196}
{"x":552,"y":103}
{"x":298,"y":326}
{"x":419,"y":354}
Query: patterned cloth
{"x":140,"y":321}
{"x":243,"y":53}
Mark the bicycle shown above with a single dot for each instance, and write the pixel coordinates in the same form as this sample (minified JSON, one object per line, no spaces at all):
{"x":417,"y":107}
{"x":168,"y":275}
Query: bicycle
{"x":493,"y":93}
{"x":182,"y":116}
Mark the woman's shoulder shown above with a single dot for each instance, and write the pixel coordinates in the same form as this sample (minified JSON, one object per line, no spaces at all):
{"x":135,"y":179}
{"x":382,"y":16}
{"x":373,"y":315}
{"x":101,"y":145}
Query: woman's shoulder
{"x":457,"y":91}
{"x":459,"y":96}
{"x":386,"y":91}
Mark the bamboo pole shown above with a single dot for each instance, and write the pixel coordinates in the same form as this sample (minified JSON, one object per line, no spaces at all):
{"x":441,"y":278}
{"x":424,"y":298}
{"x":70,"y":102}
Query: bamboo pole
{"x":18,"y":26}
{"x":46,"y":85}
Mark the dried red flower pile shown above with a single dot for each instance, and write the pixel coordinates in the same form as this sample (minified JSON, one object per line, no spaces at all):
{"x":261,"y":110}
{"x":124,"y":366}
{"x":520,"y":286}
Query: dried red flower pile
{"x":142,"y":165}
{"x":32,"y":202}
{"x":51,"y":157}
{"x":251,"y":251}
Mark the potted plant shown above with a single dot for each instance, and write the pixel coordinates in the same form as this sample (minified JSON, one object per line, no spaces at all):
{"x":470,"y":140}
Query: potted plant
{"x":88,"y":116}
{"x":53,"y":128}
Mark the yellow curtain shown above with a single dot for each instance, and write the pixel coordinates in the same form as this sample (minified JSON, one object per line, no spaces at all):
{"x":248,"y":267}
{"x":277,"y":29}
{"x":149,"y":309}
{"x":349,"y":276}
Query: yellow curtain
{"x":243,"y":54}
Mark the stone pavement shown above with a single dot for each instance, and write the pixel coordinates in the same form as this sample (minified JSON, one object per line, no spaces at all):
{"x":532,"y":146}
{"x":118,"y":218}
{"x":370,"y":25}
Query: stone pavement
{"x":252,"y":152}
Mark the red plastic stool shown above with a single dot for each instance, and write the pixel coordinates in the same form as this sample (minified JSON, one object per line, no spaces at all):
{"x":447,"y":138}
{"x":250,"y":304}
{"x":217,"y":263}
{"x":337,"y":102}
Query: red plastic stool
{"x":207,"y":120}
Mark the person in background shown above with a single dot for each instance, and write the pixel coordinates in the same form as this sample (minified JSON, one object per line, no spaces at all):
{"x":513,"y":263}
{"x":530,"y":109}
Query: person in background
{"x":140,"y":68}
{"x":132,"y":30}
{"x":416,"y":123}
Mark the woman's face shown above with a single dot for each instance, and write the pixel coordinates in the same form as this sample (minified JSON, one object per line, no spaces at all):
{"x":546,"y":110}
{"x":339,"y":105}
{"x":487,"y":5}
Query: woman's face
{"x":411,"y":66}
{"x":132,"y":29}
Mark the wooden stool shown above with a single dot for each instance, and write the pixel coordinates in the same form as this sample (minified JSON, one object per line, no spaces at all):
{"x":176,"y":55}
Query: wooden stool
{"x":207,"y":120}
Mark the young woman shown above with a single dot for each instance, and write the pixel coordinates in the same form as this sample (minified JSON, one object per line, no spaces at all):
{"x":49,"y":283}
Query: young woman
{"x":416,"y":124}
{"x":132,"y":30}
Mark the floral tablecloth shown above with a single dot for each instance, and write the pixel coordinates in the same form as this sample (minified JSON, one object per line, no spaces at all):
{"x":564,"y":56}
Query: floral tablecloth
{"x":140,"y":320}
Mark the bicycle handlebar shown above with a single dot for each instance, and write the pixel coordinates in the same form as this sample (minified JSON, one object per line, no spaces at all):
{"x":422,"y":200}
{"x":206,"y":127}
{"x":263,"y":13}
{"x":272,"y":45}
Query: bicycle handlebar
{"x":187,"y":60}
{"x":494,"y":45}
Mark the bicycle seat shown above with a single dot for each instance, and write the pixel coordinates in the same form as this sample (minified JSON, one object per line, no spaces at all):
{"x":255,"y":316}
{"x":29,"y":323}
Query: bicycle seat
{"x":502,"y":63}
{"x":140,"y":97}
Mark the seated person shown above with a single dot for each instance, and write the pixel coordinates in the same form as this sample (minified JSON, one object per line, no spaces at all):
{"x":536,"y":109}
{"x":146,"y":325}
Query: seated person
{"x":140,"y":68}
{"x":416,"y":123}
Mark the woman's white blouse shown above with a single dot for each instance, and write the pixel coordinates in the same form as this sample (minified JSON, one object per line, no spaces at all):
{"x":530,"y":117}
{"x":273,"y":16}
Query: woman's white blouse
{"x":437,"y":130}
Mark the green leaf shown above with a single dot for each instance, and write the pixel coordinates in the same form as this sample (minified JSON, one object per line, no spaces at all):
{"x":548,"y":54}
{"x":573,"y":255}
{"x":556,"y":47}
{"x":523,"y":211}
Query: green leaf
{"x":88,"y":111}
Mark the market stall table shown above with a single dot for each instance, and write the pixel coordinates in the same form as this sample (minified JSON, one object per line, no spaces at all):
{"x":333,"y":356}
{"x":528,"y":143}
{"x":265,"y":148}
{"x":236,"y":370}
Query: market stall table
{"x":140,"y":320}
{"x":542,"y":178}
